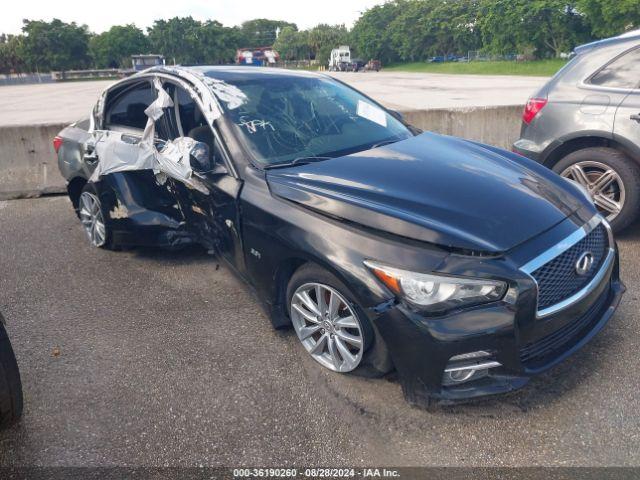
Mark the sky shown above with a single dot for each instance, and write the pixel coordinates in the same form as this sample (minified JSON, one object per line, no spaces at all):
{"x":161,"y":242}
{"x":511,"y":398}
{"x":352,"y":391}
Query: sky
{"x":229,"y":12}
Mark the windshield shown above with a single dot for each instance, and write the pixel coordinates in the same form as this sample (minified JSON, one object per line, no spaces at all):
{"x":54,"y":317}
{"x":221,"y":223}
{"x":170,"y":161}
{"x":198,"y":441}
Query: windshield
{"x":291,"y":118}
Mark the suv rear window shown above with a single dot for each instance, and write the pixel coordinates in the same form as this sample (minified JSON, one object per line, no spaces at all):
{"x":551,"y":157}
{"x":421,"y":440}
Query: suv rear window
{"x":623,"y":72}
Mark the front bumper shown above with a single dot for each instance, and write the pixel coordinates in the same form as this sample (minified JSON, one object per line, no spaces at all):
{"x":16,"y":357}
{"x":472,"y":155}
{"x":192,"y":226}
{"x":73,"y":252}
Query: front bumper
{"x":523,"y":344}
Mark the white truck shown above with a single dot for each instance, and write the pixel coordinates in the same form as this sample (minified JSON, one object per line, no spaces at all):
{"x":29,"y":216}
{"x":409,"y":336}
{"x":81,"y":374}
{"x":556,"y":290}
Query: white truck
{"x":340,"y":59}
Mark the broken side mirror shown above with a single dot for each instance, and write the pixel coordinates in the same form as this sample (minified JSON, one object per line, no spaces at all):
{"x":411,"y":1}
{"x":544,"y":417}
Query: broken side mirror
{"x":200,"y":158}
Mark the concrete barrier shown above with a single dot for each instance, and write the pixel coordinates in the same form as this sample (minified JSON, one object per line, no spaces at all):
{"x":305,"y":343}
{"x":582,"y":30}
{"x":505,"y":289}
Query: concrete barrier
{"x":28,"y":164}
{"x":498,"y":126}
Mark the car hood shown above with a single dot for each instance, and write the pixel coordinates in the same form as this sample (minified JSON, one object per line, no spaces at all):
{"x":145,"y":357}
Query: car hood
{"x":443,"y":190}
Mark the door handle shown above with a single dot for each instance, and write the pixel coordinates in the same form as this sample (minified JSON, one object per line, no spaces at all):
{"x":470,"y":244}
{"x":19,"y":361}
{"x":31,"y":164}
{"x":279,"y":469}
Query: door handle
{"x":130,"y":139}
{"x":635,"y":117}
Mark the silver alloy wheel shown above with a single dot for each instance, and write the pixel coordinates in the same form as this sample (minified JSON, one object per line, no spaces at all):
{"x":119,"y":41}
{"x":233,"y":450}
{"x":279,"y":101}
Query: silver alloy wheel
{"x":603,"y":184}
{"x":327,"y":326}
{"x":92,"y":220}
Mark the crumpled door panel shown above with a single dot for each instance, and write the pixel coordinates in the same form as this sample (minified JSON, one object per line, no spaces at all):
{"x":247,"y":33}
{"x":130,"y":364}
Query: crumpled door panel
{"x":141,"y":212}
{"x":203,"y":216}
{"x":145,"y":184}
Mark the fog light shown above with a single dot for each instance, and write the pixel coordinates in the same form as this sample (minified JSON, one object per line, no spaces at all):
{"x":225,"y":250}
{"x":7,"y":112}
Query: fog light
{"x":468,"y":366}
{"x":461,"y":375}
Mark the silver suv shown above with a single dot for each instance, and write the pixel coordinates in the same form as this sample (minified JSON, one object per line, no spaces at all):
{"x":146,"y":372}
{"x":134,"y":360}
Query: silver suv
{"x":585,"y":125}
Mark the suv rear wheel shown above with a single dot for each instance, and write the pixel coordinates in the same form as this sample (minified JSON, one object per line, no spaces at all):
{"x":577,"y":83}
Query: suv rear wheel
{"x":611,"y":178}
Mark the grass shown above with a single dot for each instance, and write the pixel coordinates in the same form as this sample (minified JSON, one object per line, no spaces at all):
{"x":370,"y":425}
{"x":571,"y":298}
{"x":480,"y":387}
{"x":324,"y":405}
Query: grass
{"x":538,"y":68}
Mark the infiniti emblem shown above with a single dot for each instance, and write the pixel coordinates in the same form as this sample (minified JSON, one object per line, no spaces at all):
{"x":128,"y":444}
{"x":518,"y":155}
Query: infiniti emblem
{"x":584,"y":263}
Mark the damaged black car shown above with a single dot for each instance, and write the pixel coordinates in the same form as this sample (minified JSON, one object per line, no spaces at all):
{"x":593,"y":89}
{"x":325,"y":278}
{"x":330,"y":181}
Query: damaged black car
{"x":464,"y":267}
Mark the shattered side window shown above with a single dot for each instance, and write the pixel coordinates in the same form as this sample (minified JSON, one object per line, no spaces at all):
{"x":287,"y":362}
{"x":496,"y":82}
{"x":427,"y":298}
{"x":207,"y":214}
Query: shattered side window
{"x":184,"y":117}
{"x":191,"y":120}
{"x":190,"y":115}
{"x":127,"y":108}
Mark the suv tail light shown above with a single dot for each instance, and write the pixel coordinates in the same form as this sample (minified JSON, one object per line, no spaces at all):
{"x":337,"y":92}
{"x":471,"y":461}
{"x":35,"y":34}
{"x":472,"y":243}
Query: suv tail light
{"x":531,"y":109}
{"x":57,"y":142}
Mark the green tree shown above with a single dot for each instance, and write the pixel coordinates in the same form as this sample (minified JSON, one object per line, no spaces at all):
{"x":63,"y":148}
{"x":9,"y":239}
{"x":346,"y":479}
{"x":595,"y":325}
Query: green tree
{"x":55,"y":45}
{"x":610,"y":17}
{"x":426,"y":28}
{"x":11,"y":54}
{"x":323,"y":38}
{"x":188,"y":41}
{"x":219,"y":43}
{"x":178,"y":39}
{"x":499,"y":24}
{"x":559,"y":26}
{"x":113,"y":48}
{"x":411,"y":33}
{"x":261,"y":32}
{"x":292,"y":44}
{"x":370,"y":35}
{"x":453,"y":27}
{"x":545,"y":26}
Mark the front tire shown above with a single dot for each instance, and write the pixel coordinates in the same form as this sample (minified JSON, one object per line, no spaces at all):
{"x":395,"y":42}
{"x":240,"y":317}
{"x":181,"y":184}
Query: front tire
{"x":331,"y":326}
{"x":612,"y":179}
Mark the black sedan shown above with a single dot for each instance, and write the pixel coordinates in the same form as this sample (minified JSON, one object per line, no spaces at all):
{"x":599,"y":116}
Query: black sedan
{"x":464,"y":267}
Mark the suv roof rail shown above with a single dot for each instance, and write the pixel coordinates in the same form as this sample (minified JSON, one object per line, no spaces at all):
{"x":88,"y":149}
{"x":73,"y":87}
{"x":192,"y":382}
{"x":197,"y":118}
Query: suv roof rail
{"x":625,"y":37}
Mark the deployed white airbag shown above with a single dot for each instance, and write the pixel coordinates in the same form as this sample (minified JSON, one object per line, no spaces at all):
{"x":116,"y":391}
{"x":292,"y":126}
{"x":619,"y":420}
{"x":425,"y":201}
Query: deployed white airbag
{"x":121,"y":152}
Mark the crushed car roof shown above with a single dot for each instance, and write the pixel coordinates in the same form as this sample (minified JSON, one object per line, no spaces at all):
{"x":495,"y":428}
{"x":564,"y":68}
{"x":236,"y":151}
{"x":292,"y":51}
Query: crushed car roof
{"x":228,"y":72}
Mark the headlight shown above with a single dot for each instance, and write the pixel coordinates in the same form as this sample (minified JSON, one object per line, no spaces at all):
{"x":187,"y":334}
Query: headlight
{"x":437,"y":293}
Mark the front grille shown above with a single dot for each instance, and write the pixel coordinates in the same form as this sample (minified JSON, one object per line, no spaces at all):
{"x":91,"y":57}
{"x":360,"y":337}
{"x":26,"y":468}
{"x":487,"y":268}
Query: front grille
{"x":558,"y":279}
{"x":540,"y":352}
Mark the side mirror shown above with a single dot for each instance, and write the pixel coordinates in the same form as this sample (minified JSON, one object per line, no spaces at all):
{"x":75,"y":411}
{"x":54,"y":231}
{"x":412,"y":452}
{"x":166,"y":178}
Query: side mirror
{"x":200,"y":158}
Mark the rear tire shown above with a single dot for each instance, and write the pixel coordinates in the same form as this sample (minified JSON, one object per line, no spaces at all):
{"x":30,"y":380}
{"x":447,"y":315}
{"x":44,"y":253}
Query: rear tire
{"x":92,"y":217}
{"x":10,"y":384}
{"x":373,"y":360}
{"x":622,"y":192}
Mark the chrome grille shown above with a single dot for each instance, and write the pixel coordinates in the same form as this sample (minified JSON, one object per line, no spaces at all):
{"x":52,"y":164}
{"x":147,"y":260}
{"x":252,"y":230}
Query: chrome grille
{"x":558,"y":279}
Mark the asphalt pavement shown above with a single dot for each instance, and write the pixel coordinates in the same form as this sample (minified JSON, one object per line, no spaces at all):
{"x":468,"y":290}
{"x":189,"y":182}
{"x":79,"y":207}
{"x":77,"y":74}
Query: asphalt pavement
{"x":149,"y":358}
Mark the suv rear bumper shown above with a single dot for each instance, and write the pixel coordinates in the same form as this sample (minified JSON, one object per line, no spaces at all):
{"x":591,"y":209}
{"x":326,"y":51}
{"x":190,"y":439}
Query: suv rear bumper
{"x":524,"y":149}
